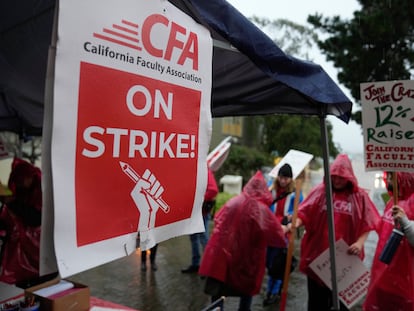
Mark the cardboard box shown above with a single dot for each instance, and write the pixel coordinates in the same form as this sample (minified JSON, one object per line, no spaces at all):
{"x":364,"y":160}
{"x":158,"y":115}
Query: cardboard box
{"x":74,"y":299}
{"x":10,"y":292}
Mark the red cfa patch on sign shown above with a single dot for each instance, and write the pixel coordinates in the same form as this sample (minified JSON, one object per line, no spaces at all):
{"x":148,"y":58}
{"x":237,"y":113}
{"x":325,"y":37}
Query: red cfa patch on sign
{"x":128,"y":126}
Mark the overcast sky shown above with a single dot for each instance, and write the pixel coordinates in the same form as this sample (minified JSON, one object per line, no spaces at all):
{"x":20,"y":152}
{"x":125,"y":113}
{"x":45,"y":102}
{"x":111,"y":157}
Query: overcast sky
{"x":347,"y":136}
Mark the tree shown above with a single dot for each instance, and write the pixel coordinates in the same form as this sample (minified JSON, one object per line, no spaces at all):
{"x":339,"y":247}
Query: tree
{"x":280,"y":134}
{"x":243,"y":161}
{"x":284,"y":132}
{"x":295,"y":39}
{"x":376,"y":45}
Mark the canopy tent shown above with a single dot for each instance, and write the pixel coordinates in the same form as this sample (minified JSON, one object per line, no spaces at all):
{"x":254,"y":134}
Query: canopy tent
{"x":251,"y":75}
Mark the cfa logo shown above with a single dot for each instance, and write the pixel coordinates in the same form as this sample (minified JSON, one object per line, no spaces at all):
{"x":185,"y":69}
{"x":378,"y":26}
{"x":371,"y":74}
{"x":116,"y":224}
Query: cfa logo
{"x":343,"y":207}
{"x":182,"y":44}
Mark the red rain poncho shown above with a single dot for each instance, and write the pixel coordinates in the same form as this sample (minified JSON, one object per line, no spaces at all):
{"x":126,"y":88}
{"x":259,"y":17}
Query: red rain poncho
{"x":392,"y":286}
{"x":212,"y":188}
{"x":244,"y":227}
{"x":354,"y":215}
{"x":21,"y":220}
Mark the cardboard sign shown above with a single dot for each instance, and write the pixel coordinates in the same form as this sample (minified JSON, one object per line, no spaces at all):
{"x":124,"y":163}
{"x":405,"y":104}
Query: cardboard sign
{"x":388,"y":125}
{"x":296,"y":159}
{"x":131,"y":128}
{"x":351,"y":274}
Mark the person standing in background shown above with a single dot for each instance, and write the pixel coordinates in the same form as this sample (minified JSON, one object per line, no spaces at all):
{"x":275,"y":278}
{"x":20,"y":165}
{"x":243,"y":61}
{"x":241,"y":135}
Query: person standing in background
{"x":234,"y":259}
{"x":392,"y":285}
{"x":201,"y":238}
{"x":152,"y":256}
{"x":355,"y":215}
{"x":283,"y":193}
{"x":20,"y":219}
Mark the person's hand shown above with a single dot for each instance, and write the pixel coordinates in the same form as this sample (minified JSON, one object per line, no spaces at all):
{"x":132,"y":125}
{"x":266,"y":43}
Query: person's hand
{"x":355,"y":249}
{"x":287,"y":228}
{"x":398,"y":213}
{"x":147,"y":196}
{"x":298,"y":223}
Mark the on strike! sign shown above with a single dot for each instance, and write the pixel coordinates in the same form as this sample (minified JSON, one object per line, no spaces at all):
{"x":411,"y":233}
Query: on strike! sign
{"x":131,"y":128}
{"x":388,"y":124}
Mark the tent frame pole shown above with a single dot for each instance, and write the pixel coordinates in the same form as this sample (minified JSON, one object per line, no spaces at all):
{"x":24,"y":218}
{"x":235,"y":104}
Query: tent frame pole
{"x":329,"y":208}
{"x":48,"y":261}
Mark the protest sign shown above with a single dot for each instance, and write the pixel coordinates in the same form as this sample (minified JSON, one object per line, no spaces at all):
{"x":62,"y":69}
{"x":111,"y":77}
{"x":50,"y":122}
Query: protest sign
{"x":131,"y":128}
{"x":296,"y":159}
{"x":218,"y":155}
{"x":351,"y":275}
{"x":388,"y":125}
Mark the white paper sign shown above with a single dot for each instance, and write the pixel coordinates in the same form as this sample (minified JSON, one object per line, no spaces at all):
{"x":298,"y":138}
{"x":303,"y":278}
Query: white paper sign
{"x":352,"y":276}
{"x":388,"y":125}
{"x":131,"y":128}
{"x":296,"y":159}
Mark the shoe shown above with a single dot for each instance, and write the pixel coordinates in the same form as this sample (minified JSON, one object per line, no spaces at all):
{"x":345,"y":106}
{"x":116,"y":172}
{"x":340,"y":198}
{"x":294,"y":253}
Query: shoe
{"x":271,"y":299}
{"x":143,"y":266}
{"x":154,"y":266}
{"x":190,"y":269}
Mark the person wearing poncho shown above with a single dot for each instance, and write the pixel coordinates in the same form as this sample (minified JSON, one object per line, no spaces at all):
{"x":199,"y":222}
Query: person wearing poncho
{"x":392,"y":285}
{"x":235,"y":254}
{"x":354,"y":216}
{"x":20,"y":217}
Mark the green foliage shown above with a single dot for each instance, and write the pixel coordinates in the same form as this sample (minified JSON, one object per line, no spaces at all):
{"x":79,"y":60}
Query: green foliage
{"x":221,"y":199}
{"x":375,"y":45}
{"x":282,"y":133}
{"x":385,"y":197}
{"x":295,"y":39}
{"x":243,"y":161}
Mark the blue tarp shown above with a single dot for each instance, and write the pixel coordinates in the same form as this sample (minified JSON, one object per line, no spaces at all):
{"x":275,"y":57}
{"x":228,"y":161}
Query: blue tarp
{"x":257,"y":78}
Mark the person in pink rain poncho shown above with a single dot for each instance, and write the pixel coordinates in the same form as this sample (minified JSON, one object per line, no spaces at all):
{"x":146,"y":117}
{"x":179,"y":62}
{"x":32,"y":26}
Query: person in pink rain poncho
{"x":234,"y":258}
{"x":392,"y":285}
{"x":20,"y":220}
{"x":355,"y":215}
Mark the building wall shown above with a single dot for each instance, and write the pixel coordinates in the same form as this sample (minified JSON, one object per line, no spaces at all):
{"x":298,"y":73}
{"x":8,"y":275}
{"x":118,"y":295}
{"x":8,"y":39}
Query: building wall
{"x":227,"y":126}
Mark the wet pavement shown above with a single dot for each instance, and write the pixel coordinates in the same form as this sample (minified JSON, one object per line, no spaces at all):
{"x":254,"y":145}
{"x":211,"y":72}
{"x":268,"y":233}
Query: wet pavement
{"x":123,"y":282}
